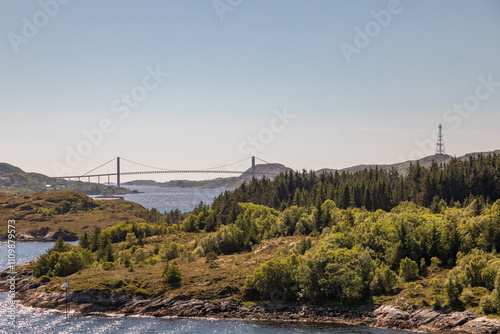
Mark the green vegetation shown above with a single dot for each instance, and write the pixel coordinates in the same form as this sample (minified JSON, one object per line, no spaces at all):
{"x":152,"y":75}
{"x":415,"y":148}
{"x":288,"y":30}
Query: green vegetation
{"x":74,"y":212}
{"x":171,"y":274}
{"x":309,"y":248}
{"x":62,"y":260}
{"x":459,"y":181}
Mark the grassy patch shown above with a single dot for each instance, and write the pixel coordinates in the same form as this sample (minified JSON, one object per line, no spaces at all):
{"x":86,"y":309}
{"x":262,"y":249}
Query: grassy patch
{"x":66,"y":210}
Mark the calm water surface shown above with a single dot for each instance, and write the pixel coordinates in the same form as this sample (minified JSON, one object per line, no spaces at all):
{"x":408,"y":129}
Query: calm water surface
{"x":166,"y":199}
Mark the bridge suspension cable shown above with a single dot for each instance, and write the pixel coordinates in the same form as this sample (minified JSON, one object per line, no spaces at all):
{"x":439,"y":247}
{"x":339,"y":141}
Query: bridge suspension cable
{"x":147,"y":165}
{"x":90,"y":171}
{"x":159,"y":170}
{"x":262,"y":160}
{"x":231,"y":164}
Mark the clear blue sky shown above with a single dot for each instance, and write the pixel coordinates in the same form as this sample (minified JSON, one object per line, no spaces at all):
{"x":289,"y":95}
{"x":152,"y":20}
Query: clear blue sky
{"x":231,"y":67}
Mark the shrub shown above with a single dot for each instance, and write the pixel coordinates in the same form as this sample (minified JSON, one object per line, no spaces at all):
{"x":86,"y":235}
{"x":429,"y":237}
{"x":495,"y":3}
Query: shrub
{"x":488,"y":276}
{"x":171,"y":274}
{"x":190,"y":224}
{"x":408,"y":270}
{"x":140,"y":255}
{"x":472,"y":269}
{"x":488,"y":304}
{"x":169,"y":251}
{"x":44,"y":279}
{"x":228,"y":240}
{"x":453,"y":290}
{"x":210,"y":258}
{"x":384,"y":280}
{"x":467,"y":297}
{"x":131,"y":239}
{"x":435,"y":263}
{"x":437,"y":303}
{"x":62,"y":264}
{"x":60,"y":246}
{"x":108,"y":266}
{"x":273,"y":281}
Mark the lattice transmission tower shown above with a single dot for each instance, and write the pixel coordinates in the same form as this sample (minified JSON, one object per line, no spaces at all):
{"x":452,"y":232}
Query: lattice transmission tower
{"x":440,"y":142}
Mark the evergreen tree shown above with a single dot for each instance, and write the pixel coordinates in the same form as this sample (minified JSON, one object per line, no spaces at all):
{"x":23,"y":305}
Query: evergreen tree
{"x":95,"y":239}
{"x":84,"y":242}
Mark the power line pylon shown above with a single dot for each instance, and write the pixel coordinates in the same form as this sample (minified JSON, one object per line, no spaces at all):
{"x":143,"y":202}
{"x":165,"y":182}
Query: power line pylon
{"x":440,"y":142}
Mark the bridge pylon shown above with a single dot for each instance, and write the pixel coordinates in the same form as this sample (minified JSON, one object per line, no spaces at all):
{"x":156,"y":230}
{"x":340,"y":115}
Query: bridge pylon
{"x":118,"y":172}
{"x":253,"y":167}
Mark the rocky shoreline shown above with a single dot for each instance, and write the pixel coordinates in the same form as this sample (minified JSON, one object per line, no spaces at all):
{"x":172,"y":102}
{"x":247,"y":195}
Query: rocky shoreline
{"x":32,"y":294}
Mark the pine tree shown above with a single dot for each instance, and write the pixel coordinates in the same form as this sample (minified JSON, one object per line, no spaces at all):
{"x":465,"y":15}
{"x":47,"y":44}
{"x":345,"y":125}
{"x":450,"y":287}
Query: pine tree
{"x":95,"y":239}
{"x":171,"y":274}
{"x":84,"y":242}
{"x":59,"y":246}
{"x":345,"y":199}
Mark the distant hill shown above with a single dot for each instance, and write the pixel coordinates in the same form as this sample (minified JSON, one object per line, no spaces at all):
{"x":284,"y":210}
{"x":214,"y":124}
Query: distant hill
{"x":402,"y":167}
{"x":14,"y":180}
{"x":271,"y":170}
{"x":6,"y":168}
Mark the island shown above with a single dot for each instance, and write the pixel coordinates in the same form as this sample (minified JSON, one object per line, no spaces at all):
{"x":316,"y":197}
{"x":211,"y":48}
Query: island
{"x":417,"y":251}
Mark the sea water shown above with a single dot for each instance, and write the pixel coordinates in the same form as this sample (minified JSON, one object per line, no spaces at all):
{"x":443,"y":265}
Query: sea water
{"x":166,"y":199}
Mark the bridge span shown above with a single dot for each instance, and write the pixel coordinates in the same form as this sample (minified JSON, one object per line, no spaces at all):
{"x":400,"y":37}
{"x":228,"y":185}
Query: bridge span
{"x":155,"y":170}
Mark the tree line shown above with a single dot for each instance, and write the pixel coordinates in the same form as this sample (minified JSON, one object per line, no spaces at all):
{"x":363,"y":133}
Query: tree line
{"x":458,"y":183}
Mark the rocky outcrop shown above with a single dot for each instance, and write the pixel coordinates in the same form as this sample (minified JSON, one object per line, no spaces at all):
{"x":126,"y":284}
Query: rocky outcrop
{"x":43,"y":234}
{"x":424,"y":320}
{"x":33,"y":294}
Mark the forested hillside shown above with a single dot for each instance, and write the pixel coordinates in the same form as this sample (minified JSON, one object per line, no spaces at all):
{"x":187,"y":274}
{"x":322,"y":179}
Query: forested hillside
{"x":457,"y":183}
{"x":430,"y":239}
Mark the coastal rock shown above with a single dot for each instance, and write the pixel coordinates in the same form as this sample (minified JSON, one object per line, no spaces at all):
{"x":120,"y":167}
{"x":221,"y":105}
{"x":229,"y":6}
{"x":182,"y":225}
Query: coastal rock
{"x":228,"y":305}
{"x":482,"y":325}
{"x":392,"y":317}
{"x":31,"y":293}
{"x":65,"y":235}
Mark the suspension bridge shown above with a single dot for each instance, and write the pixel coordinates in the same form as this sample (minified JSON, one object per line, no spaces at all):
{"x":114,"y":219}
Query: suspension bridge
{"x":93,"y":175}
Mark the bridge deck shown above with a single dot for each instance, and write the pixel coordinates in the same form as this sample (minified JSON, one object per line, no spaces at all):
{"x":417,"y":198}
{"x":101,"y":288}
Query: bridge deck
{"x":152,"y":172}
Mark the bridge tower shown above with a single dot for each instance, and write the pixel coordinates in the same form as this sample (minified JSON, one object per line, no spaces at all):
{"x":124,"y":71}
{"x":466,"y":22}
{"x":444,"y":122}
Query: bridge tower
{"x":253,"y":167}
{"x":118,"y":172}
{"x":440,"y":142}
